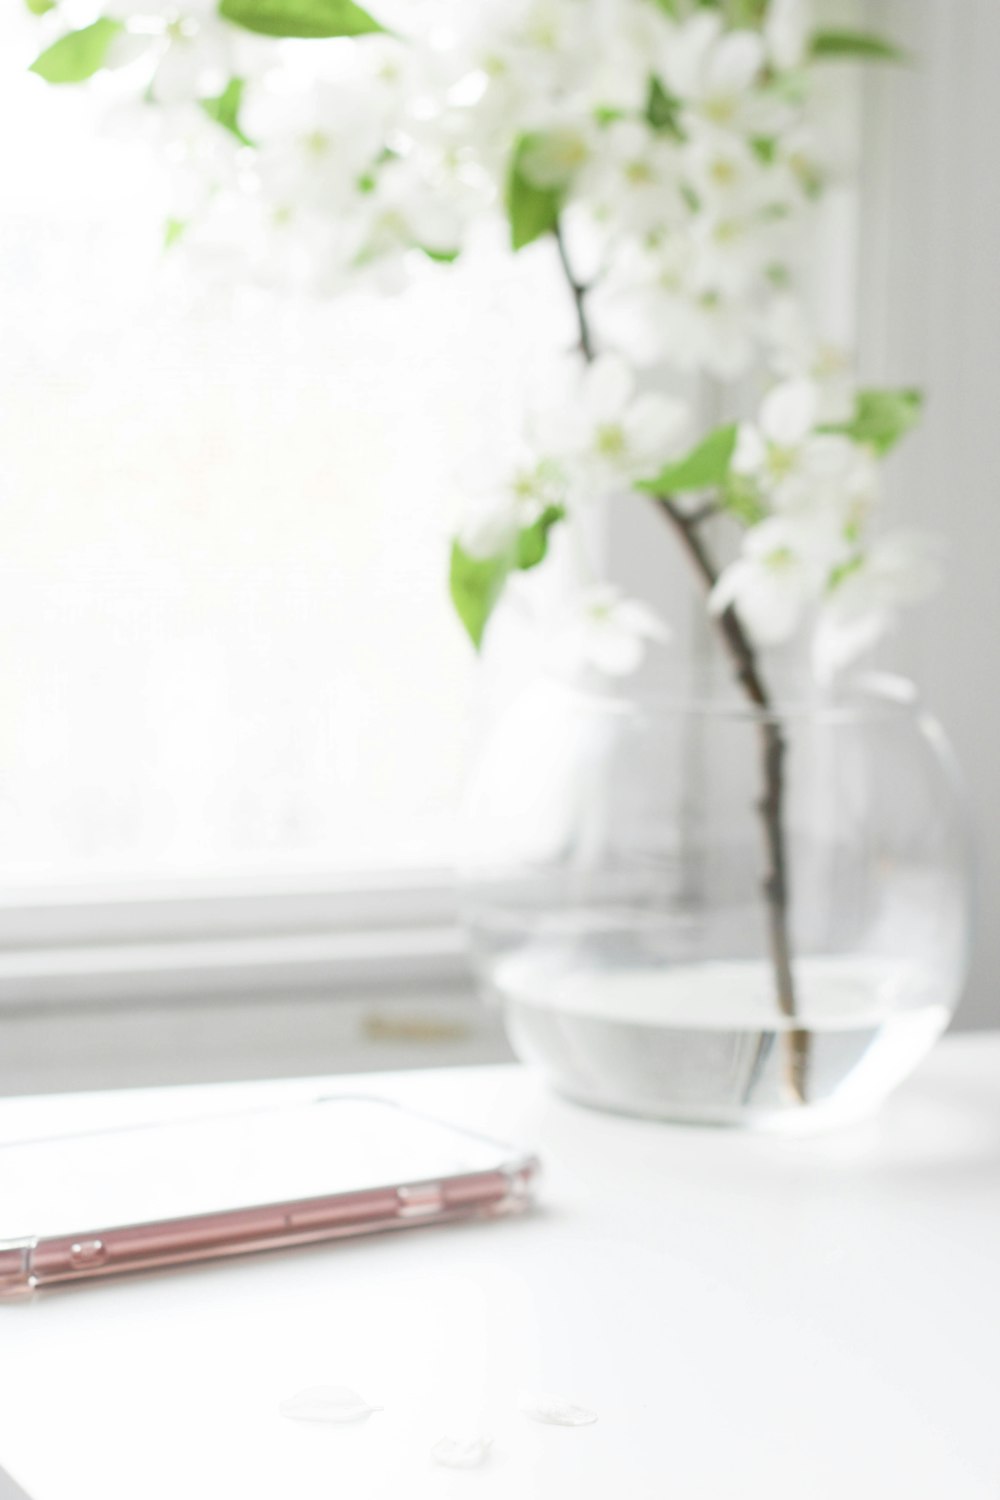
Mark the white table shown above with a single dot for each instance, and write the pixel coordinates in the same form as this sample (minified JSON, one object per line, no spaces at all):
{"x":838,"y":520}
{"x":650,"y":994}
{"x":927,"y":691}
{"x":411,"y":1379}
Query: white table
{"x":751,"y":1317}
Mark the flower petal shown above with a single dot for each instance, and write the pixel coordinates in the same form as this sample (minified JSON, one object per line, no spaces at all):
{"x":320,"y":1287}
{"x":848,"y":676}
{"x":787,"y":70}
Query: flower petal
{"x":842,"y":636}
{"x":735,"y":63}
{"x":555,"y":1411}
{"x":634,"y":616}
{"x":750,"y":452}
{"x":335,"y":1404}
{"x":607,"y":387}
{"x":786,"y":33}
{"x":728,"y":586}
{"x":788,"y":413}
{"x":461,"y":1453}
{"x":684,"y":56}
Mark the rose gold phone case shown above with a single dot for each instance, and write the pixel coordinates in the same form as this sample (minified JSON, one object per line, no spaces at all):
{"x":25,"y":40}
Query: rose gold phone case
{"x":30,"y":1263}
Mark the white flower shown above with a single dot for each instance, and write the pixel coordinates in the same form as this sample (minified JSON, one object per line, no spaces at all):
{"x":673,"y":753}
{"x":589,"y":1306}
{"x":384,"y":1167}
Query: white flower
{"x":786,"y":33}
{"x":619,"y":42}
{"x":554,"y":156}
{"x":606,"y":632}
{"x":735,"y":248}
{"x":798,"y":468}
{"x":241,"y":236}
{"x":631,"y":180}
{"x":785,"y":565}
{"x":191,"y":46}
{"x":799,"y":353}
{"x":607,"y":431}
{"x":899,"y":569}
{"x":713,"y":70}
{"x":314,"y":143}
{"x":394,"y":211}
{"x":727,"y":175}
{"x":493,"y":517}
{"x":651,"y":306}
{"x":516,"y":58}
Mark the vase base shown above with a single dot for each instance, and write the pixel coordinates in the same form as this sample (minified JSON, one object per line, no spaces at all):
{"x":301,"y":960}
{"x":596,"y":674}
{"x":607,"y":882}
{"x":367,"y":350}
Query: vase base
{"x":701,"y":1044}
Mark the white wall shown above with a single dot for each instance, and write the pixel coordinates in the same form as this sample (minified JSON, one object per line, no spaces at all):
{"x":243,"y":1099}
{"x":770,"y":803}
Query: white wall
{"x":930,"y":271}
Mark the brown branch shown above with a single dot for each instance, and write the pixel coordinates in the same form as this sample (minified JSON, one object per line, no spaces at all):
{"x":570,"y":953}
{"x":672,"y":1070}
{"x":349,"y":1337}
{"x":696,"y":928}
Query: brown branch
{"x":770,"y":806}
{"x":579,"y":294}
{"x":704,"y":513}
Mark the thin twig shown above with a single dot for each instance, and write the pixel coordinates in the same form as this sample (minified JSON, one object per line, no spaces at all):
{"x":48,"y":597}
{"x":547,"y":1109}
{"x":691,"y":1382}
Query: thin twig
{"x":579,"y":292}
{"x":706,"y":512}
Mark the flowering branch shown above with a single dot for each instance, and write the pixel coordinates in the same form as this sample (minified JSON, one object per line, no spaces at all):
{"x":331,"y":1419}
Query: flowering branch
{"x":771,"y":805}
{"x":748,"y":673}
{"x":685,"y":137}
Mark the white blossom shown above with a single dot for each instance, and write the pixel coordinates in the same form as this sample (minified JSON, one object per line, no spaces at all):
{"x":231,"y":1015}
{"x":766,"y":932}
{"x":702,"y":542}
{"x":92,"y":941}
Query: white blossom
{"x":652,"y":306}
{"x":356,"y":161}
{"x":786,"y":32}
{"x":798,"y":467}
{"x":784,"y":567}
{"x":713,"y":70}
{"x":316,"y":143}
{"x":609,"y":431}
{"x":798,"y":352}
{"x":604,"y":631}
{"x":728,"y":176}
{"x":395,"y":211}
{"x":553,"y":157}
{"x":192,"y":50}
{"x":899,"y":569}
{"x":494,"y":515}
{"x":630,"y":179}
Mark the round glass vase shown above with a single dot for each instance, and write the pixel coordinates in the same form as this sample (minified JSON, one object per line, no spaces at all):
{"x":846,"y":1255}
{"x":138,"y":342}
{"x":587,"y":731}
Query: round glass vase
{"x":696,"y":911}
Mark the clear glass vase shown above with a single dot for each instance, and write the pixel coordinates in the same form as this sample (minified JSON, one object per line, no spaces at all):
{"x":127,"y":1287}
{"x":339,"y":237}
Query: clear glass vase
{"x":696,"y":911}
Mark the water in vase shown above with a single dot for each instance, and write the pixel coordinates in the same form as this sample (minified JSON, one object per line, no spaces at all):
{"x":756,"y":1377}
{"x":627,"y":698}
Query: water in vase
{"x":705,"y":1041}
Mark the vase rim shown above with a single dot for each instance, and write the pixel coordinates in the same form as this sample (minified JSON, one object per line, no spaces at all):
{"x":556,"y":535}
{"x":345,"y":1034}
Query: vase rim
{"x":857,"y":699}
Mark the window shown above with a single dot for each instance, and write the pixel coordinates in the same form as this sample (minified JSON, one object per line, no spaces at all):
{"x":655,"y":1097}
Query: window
{"x":233,"y":714}
{"x":225,"y":516}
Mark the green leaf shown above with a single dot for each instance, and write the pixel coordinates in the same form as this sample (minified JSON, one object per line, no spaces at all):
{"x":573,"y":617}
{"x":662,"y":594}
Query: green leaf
{"x":663,"y":109}
{"x":224,"y":109}
{"x":477,"y":583}
{"x":746,"y":12}
{"x":173,"y":230}
{"x":855,"y":46}
{"x":533,"y":541}
{"x":533,"y":211}
{"x":705,"y":467}
{"x":882,"y":418}
{"x":303,"y":18}
{"x":78,"y":54}
{"x":443,"y":257}
{"x":40,"y":7}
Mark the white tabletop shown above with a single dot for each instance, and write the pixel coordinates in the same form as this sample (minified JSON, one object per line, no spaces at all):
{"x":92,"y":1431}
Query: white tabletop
{"x":812,"y":1319}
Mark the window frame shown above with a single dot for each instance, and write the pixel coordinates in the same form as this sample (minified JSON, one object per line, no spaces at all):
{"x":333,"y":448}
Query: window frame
{"x":128,"y":945}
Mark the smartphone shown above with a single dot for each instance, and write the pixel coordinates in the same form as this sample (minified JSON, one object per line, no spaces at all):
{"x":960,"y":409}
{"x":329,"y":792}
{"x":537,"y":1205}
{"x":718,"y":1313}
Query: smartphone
{"x":75,"y":1208}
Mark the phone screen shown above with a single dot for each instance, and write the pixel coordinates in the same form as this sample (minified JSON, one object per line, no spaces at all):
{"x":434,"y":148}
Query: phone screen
{"x":147,"y":1173}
